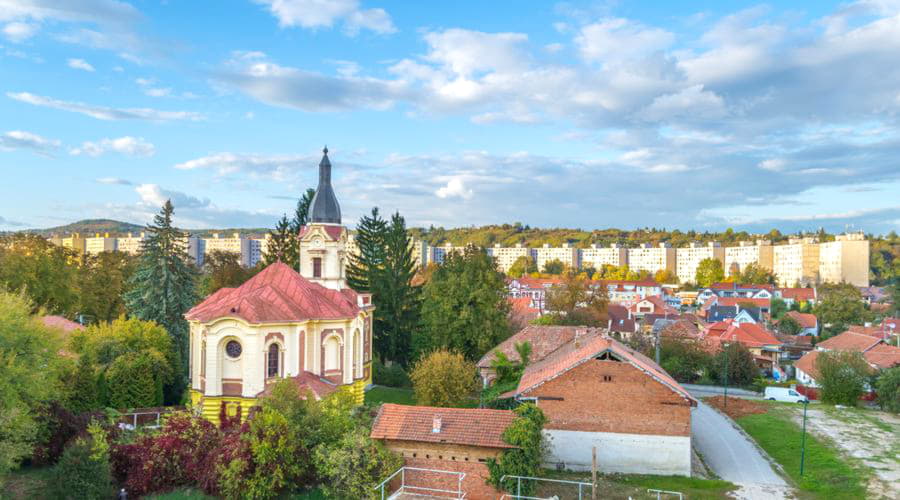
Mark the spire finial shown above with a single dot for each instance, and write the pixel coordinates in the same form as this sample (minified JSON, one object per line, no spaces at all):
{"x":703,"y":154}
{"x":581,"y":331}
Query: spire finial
{"x":325,"y":150}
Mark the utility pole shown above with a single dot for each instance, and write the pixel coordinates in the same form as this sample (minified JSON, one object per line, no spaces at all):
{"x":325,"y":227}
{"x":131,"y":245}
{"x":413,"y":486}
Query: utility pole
{"x":725,"y":402}
{"x":593,"y":473}
{"x":803,"y":438}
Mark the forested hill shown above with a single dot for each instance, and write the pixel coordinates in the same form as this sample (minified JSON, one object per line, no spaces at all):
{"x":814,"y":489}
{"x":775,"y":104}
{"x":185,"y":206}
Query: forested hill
{"x":91,"y":226}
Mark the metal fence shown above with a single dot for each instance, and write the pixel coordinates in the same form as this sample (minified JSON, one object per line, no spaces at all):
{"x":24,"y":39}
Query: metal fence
{"x":408,"y":474}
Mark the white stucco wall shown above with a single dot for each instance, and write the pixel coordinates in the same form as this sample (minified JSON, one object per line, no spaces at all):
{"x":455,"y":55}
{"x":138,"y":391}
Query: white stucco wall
{"x":624,"y":453}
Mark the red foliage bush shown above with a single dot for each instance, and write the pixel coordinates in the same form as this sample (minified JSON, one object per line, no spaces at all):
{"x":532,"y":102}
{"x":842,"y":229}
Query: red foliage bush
{"x":61,"y":426}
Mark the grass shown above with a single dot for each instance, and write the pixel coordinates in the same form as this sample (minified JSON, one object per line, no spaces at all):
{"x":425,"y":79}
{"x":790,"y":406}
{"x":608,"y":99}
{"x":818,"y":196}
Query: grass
{"x":827,"y":474}
{"x":378,"y":395}
{"x":636,"y":485}
{"x":27,"y":482}
{"x":181,"y":494}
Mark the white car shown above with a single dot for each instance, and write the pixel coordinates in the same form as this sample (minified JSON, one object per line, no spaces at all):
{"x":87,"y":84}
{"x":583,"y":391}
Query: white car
{"x":784,"y":395}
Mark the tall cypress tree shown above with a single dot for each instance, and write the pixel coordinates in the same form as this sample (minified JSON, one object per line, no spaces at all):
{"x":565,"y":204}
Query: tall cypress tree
{"x":283,"y":245}
{"x":369,"y":258}
{"x":162,"y":289}
{"x":301,"y":213}
{"x":397,"y":300}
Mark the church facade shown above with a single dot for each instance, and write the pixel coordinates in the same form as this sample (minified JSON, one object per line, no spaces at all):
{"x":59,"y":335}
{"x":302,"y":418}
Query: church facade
{"x":307,"y":326}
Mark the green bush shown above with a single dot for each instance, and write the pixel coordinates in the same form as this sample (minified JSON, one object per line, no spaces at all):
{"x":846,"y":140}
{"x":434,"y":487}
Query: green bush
{"x":390,"y":376}
{"x":525,"y":459}
{"x":132,"y":382}
{"x":355,"y":465}
{"x":741,"y":367}
{"x":842,"y":377}
{"x":888,"y":389}
{"x":444,"y":378}
{"x":83,"y":471}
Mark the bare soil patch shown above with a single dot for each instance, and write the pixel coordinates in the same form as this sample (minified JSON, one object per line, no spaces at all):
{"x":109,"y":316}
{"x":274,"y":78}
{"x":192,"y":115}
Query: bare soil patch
{"x":736,"y":407}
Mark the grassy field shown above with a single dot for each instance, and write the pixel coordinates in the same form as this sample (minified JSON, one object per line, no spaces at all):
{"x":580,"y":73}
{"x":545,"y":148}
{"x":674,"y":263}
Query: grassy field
{"x":378,"y":395}
{"x":634,"y":486}
{"x":827,"y":473}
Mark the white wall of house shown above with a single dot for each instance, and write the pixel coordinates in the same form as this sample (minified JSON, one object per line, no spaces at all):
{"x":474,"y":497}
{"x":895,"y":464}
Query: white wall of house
{"x":623,"y":453}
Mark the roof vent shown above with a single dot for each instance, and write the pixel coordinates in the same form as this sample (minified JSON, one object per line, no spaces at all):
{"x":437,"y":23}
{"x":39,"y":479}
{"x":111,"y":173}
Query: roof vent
{"x":234,"y":309}
{"x":436,"y":425}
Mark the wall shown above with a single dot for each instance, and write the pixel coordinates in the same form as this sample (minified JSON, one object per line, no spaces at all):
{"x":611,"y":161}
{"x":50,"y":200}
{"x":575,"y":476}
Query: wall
{"x":623,"y":453}
{"x":465,"y":459}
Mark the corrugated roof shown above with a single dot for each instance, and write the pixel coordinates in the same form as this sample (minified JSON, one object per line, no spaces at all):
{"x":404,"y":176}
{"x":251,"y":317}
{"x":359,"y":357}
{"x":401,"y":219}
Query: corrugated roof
{"x":462,"y":426}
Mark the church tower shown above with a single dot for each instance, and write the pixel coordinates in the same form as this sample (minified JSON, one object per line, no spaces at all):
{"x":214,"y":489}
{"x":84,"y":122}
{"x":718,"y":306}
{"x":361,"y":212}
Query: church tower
{"x":323,"y":240}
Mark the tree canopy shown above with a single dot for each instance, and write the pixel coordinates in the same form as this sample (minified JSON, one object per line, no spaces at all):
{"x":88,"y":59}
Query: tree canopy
{"x":709,"y":271}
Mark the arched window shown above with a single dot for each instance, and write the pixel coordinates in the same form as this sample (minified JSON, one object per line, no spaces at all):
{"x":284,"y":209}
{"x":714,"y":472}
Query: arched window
{"x":357,"y":349}
{"x":273,"y":361}
{"x":332,"y":353}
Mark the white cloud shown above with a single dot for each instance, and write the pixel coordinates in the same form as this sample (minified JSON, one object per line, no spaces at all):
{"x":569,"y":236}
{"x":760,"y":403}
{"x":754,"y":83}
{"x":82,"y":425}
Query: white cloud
{"x":619,"y":39}
{"x":103,"y":112}
{"x":18,"y":32}
{"x":130,"y":146}
{"x":18,"y":139}
{"x":773,"y":164}
{"x":319,"y":14}
{"x":80,"y":64}
{"x":690,"y":103}
{"x":158,"y":92}
{"x":114,"y":181}
{"x":276,"y":167}
{"x":455,"y":188}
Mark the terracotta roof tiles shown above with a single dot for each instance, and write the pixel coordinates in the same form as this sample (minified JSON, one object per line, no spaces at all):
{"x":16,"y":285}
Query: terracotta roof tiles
{"x":849,"y":341}
{"x":461,"y":426}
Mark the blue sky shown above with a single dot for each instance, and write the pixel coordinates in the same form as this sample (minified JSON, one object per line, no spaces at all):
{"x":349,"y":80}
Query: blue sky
{"x":691,"y":115}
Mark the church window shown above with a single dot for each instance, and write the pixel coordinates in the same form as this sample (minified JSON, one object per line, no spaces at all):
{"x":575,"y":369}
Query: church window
{"x":273,"y":361}
{"x":332,"y":354}
{"x":233,"y":349}
{"x":317,"y":267}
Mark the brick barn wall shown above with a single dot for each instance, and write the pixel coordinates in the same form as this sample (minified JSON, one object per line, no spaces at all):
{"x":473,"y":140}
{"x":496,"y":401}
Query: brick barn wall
{"x":465,"y":459}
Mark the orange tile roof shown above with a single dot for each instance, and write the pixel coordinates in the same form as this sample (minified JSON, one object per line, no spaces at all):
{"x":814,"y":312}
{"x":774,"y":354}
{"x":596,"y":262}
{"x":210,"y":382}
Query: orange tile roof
{"x":749,"y":334}
{"x":733,"y":301}
{"x":849,"y":341}
{"x":883,"y":356}
{"x":735,"y":286}
{"x":277,"y":293}
{"x":872,"y":331}
{"x":805,"y":320}
{"x":807,"y":364}
{"x":307,"y":383}
{"x":544,"y":341}
{"x":571,"y":355}
{"x":462,"y":426}
{"x":800,"y":294}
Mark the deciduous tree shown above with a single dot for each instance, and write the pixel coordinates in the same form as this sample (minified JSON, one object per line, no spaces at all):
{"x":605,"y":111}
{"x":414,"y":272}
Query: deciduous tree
{"x":709,"y":271}
{"x":842,"y":376}
{"x":839,"y":306}
{"x":45,"y":272}
{"x":102,"y":282}
{"x":444,"y":378}
{"x":524,"y":265}
{"x":223,"y":270}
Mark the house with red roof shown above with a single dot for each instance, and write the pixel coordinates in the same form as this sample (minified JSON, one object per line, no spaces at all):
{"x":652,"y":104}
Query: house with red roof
{"x":878,"y":354}
{"x":762,"y":344}
{"x":597,"y":392}
{"x":809,"y":323}
{"x":458,"y":442}
{"x":306,"y":326}
{"x":792,"y":296}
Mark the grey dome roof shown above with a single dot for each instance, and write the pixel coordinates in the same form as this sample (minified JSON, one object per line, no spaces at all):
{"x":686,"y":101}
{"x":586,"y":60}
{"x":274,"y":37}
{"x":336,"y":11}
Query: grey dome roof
{"x":325,"y":207}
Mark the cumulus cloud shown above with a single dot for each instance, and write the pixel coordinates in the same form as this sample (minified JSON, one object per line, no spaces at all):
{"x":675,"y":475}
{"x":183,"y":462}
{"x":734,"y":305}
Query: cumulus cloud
{"x":18,"y":32}
{"x":613,"y":40}
{"x":455,"y":188}
{"x":104,"y":112}
{"x":317,"y":14}
{"x":127,"y":145}
{"x":80,"y":64}
{"x":18,"y":139}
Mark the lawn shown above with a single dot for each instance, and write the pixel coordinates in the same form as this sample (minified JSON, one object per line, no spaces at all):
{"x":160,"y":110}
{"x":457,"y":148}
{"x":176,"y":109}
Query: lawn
{"x":827,"y":473}
{"x":634,"y":485}
{"x":27,"y":482}
{"x":378,"y":395}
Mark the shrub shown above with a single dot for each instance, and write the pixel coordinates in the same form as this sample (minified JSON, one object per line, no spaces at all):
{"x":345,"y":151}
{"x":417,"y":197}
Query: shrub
{"x":355,"y":465}
{"x":390,"y":376}
{"x":684,"y":360}
{"x":741,"y":367}
{"x":133,"y":383}
{"x":888,"y":388}
{"x":59,"y":426}
{"x":82,"y":394}
{"x":789,"y":326}
{"x":444,"y":378}
{"x":83,"y":471}
{"x":842,"y":377}
{"x":525,"y":460}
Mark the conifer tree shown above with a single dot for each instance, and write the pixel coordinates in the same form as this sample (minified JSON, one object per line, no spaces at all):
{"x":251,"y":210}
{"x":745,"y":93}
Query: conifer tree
{"x":162,"y":289}
{"x":370,"y":236}
{"x":283,"y":245}
{"x":301,"y":213}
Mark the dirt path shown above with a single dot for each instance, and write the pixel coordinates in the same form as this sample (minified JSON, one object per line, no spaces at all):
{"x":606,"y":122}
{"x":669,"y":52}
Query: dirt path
{"x":871,"y":436}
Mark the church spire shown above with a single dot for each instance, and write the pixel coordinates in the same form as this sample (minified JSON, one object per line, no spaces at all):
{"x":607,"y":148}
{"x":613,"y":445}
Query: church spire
{"x":325,"y":207}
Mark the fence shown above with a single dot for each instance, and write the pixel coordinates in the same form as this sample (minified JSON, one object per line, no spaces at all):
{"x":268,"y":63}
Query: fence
{"x":578,"y":489}
{"x":151,"y":418}
{"x":410,"y":475}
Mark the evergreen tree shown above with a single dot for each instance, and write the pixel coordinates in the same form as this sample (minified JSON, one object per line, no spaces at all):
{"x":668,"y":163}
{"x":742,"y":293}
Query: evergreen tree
{"x":370,"y":255}
{"x":162,"y":290}
{"x":397,"y":300}
{"x":283,"y":245}
{"x":83,"y":394}
{"x":301,"y":213}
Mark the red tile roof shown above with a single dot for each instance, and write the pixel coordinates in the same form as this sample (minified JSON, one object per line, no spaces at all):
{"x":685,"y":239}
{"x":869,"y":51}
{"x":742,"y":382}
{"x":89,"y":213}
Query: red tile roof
{"x":544,"y":341}
{"x":748,"y":334}
{"x":872,"y":331}
{"x":307,"y":383}
{"x":572,"y":355}
{"x":807,"y":364}
{"x":849,"y":341}
{"x":883,"y":356}
{"x":333,"y":231}
{"x":735,"y":286}
{"x":61,"y":323}
{"x":805,"y":320}
{"x":799,"y":294}
{"x":461,"y":426}
{"x":733,"y":301}
{"x":277,"y":293}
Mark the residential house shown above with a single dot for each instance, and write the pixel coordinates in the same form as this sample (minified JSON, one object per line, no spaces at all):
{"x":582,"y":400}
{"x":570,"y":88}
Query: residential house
{"x":762,"y":344}
{"x":651,"y":305}
{"x":457,"y":441}
{"x":718,"y":313}
{"x":879,"y":354}
{"x":792,"y":296}
{"x":809,"y":323}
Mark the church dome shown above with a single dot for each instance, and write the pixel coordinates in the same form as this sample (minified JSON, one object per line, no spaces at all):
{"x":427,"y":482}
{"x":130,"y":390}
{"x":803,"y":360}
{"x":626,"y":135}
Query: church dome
{"x":325,"y":208}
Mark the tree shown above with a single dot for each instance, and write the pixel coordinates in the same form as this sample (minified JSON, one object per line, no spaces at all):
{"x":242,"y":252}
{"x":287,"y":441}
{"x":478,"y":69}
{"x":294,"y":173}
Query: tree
{"x":754,"y":274}
{"x":842,"y":376}
{"x":525,"y":434}
{"x":83,"y":471}
{"x":777,"y":308}
{"x":665,"y":276}
{"x":709,"y":271}
{"x":522,"y":266}
{"x":370,"y":254}
{"x":162,"y":290}
{"x":301,"y":213}
{"x":464,"y":306}
{"x":575,"y":302}
{"x":397,"y":315}
{"x":444,"y":378}
{"x":888,"y":389}
{"x":741,"y":367}
{"x":839,"y":306}
{"x":283,"y":245}
{"x":44,"y":271}
{"x":28,"y":377}
{"x":355,"y":466}
{"x":223,"y":269}
{"x":789,"y":326}
{"x":554,"y":266}
{"x":102,"y":282}
{"x":684,"y":359}
{"x":132,"y":381}
{"x":507,"y":370}
{"x":83,"y":395}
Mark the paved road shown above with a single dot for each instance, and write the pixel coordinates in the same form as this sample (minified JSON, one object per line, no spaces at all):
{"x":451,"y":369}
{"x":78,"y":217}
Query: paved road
{"x":702,"y":391}
{"x":732,"y":456}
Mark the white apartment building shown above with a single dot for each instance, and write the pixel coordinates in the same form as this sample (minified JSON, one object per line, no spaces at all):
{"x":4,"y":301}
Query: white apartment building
{"x":597,"y":256}
{"x":74,"y":242}
{"x":845,"y":260}
{"x":257,"y":248}
{"x":194,"y":247}
{"x":738,"y":258}
{"x":505,"y":257}
{"x":419,"y":252}
{"x":236,"y":244}
{"x":438,"y":254}
{"x":688,"y":259}
{"x":130,"y":244}
{"x":566,"y":254}
{"x":652,"y":259}
{"x":797,"y":262}
{"x":96,"y":244}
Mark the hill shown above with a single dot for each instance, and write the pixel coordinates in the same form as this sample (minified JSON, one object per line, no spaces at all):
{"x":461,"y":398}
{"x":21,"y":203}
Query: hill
{"x":90,"y":226}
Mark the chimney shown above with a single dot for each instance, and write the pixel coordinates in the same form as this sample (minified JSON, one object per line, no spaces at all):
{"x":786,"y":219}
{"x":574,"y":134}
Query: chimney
{"x":436,"y":425}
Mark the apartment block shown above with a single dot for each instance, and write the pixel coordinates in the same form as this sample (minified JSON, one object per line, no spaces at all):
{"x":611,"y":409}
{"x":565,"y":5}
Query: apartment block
{"x":98,"y":243}
{"x":652,"y":258}
{"x":797,"y":262}
{"x":236,"y":244}
{"x":689,"y":258}
{"x":845,"y":260}
{"x":438,"y":254}
{"x":74,"y":242}
{"x":597,"y":256}
{"x":257,"y":248}
{"x":505,"y":257}
{"x":419,"y":252}
{"x":738,"y":258}
{"x":566,"y":254}
{"x":130,"y":244}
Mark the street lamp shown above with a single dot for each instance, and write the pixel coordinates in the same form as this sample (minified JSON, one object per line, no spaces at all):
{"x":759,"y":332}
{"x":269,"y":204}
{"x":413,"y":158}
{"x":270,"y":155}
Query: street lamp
{"x":803,"y":437}
{"x":725,"y":350}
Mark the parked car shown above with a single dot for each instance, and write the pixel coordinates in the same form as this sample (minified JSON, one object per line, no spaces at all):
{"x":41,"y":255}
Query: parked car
{"x":785,"y":395}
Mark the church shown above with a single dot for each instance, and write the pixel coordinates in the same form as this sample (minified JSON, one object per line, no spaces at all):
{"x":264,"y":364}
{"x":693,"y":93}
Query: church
{"x":306,"y":326}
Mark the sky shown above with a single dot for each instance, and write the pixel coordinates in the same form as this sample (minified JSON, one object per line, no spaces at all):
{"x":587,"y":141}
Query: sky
{"x":688,"y":115}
